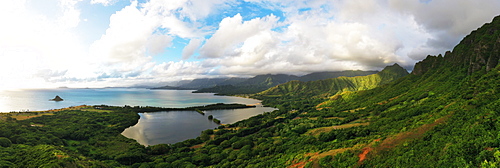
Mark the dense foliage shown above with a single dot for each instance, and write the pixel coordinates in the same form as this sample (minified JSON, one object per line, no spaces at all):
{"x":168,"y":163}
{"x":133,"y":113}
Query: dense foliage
{"x":292,"y":94}
{"x":444,"y":114}
{"x":142,"y":109}
{"x":70,"y":139}
{"x":260,"y":83}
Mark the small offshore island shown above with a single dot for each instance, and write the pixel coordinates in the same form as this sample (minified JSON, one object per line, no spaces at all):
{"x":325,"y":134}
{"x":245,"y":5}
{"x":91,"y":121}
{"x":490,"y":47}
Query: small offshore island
{"x":136,"y":109}
{"x":443,"y":114}
{"x":83,"y":129}
{"x":57,"y":98}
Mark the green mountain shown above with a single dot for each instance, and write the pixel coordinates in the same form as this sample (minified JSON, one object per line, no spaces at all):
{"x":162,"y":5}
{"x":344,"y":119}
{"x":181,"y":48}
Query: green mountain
{"x":263,"y":82}
{"x":330,"y":87}
{"x":210,"y":82}
{"x":444,"y":114}
{"x":327,"y":75}
{"x":252,"y":85}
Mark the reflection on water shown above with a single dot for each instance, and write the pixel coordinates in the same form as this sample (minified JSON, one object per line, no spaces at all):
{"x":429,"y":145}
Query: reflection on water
{"x":176,"y":126}
{"x":153,"y":128}
{"x":168,"y":127}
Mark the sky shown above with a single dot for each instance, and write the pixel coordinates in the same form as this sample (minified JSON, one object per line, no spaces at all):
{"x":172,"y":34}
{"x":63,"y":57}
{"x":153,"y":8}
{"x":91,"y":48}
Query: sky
{"x":113,"y":43}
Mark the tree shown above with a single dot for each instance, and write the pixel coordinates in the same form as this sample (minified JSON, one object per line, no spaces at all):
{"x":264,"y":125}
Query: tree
{"x":5,"y":142}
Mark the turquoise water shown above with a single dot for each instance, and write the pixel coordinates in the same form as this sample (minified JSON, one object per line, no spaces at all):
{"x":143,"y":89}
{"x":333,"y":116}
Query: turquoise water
{"x":33,"y":100}
{"x":152,"y":128}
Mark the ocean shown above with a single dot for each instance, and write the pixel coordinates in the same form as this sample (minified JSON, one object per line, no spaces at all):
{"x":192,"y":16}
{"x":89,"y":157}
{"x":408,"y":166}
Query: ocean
{"x":152,"y":128}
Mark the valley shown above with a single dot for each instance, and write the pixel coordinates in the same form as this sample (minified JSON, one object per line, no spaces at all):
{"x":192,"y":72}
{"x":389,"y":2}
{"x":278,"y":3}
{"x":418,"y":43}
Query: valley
{"x":443,"y":114}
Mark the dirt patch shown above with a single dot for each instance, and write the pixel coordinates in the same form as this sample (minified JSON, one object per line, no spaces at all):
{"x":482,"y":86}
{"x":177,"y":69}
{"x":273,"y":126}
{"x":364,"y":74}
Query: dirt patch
{"x":314,"y":157}
{"x":320,"y":130}
{"x":366,"y":150}
{"x":303,"y":163}
{"x":354,"y":110}
{"x":32,"y":114}
{"x":387,"y":101}
{"x":28,"y":115}
{"x":340,"y":118}
{"x":399,"y":138}
{"x":362,"y":155}
{"x":197,"y":146}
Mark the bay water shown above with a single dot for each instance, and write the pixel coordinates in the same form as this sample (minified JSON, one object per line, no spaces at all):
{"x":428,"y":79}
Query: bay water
{"x":152,"y":128}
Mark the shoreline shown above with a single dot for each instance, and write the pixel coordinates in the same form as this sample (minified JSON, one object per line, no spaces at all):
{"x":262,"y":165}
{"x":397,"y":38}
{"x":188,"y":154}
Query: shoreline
{"x":112,"y":96}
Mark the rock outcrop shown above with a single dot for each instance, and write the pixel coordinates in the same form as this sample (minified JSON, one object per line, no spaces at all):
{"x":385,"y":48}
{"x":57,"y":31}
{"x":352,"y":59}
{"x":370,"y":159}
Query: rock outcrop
{"x":480,"y":50}
{"x":57,"y":98}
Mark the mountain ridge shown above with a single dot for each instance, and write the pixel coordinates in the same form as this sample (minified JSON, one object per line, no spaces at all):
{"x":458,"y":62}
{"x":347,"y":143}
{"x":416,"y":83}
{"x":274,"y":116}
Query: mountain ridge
{"x":260,"y":83}
{"x":481,"y":48}
{"x":329,"y":87}
{"x":444,"y":114}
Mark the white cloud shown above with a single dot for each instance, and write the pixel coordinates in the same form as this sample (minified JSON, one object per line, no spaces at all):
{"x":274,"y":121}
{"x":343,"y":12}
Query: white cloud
{"x":103,"y":2}
{"x":38,"y":39}
{"x":171,"y":71}
{"x":233,"y":32}
{"x":32,"y":41}
{"x":342,"y":34}
{"x":191,"y":48}
{"x":310,"y":41}
{"x":126,"y":42}
{"x":184,"y":18}
{"x":157,"y":43}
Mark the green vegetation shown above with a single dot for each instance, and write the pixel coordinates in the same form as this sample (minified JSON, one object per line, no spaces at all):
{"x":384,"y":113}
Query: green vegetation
{"x":260,"y":83}
{"x":444,"y":114}
{"x":70,"y":138}
{"x":199,"y":109}
{"x":215,"y":120}
{"x":292,"y":94}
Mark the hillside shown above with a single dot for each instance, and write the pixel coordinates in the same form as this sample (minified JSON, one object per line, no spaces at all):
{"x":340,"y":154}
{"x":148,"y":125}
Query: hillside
{"x":262,"y":82}
{"x":444,"y":114}
{"x":252,"y":85}
{"x":329,"y":87}
{"x":203,"y":83}
{"x":327,"y":75}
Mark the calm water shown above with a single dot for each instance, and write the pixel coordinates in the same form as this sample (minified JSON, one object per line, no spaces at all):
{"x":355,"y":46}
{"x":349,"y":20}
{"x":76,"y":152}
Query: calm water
{"x":152,"y":128}
{"x":33,"y":100}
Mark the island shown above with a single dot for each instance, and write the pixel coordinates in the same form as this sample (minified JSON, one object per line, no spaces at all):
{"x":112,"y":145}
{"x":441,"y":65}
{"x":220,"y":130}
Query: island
{"x":57,"y":98}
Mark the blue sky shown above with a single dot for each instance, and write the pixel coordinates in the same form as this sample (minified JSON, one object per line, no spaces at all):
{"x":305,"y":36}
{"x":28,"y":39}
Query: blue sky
{"x":99,"y":43}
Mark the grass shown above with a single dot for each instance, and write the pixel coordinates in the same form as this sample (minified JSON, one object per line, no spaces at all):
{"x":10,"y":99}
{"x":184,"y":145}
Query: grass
{"x":32,"y":114}
{"x":317,"y":131}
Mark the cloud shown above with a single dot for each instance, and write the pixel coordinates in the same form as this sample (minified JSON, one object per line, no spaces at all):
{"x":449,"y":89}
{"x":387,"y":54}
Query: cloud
{"x":447,"y":21}
{"x":185,"y":18}
{"x":39,"y":39}
{"x":306,"y":42}
{"x":342,"y":34}
{"x":191,"y":48}
{"x":171,"y":71}
{"x":233,"y":32}
{"x":157,"y":43}
{"x":131,"y":34}
{"x":454,"y":16}
{"x":32,"y":40}
{"x":103,"y":2}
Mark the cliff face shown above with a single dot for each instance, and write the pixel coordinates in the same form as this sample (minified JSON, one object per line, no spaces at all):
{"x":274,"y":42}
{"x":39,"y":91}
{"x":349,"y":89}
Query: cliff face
{"x":480,"y":49}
